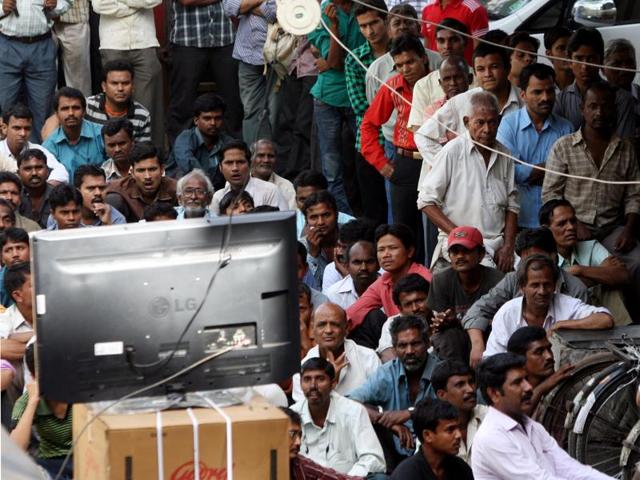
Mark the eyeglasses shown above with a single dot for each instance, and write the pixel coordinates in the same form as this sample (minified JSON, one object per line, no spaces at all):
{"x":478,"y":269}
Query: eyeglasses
{"x":295,"y":433}
{"x":191,"y":192}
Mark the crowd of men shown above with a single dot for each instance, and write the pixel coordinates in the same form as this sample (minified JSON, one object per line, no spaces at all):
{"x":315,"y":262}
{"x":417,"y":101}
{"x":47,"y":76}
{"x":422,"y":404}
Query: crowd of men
{"x":448,"y":223}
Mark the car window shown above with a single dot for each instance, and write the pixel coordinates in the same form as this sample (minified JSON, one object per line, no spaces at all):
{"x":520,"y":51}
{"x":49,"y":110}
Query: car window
{"x":498,"y":9}
{"x":549,"y":16}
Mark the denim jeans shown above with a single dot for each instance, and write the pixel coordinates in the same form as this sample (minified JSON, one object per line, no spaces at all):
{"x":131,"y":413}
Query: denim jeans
{"x":28,"y":67}
{"x":390,"y":152}
{"x":259,"y":101}
{"x":329,"y":121}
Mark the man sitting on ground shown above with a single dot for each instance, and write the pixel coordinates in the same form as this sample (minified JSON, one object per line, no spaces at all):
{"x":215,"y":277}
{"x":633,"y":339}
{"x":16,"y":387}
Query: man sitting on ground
{"x":33,"y":172}
{"x":16,"y":327}
{"x":117,"y":135}
{"x":91,"y":182}
{"x":14,"y":248}
{"x":159,"y":211}
{"x":263,"y":165}
{"x":66,"y":203}
{"x":10,"y":188}
{"x":195,"y":192}
{"x":362,"y":268}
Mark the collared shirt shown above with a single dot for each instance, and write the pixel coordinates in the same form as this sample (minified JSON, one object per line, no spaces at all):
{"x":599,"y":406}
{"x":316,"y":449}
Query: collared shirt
{"x":301,"y":221}
{"x":32,"y":19}
{"x":330,"y":276}
{"x":354,"y":75}
{"x":468,"y":191}
{"x":343,"y":292}
{"x":252,"y":30}
{"x":569,"y":105}
{"x":317,"y":265}
{"x":597,"y":205}
{"x":380,"y":294}
{"x":180,"y":210}
{"x":26,"y":224}
{"x":425,"y":92}
{"x":482,"y":312}
{"x":9,"y":162}
{"x":510,"y":317}
{"x":588,"y":253}
{"x":518,"y":133}
{"x":506,"y":449}
{"x":125,"y":196}
{"x":203,"y":26}
{"x":26,"y":207}
{"x":136,"y":113}
{"x":110,"y":170}
{"x":379,"y":112}
{"x":123,"y":27}
{"x":12,"y":321}
{"x":477,"y":417}
{"x":388,"y":388}
{"x":330,"y":87}
{"x":263,"y":193}
{"x":89,"y":148}
{"x":53,"y":225}
{"x":470,"y":12}
{"x":78,"y":13}
{"x":286,"y":189}
{"x":431,"y":136}
{"x":416,"y":467}
{"x":346,"y":442}
{"x":303,"y":63}
{"x":361,"y":363}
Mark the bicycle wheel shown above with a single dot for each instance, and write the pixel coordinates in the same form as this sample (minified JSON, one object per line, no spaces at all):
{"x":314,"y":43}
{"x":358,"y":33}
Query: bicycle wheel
{"x":630,"y":454}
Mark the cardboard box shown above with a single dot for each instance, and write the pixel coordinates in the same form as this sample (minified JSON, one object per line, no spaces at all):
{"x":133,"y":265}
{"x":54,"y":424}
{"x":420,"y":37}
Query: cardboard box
{"x":125,"y":447}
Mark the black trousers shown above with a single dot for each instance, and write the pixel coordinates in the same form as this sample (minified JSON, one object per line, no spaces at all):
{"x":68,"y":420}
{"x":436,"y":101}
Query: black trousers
{"x":189,"y":67}
{"x":372,"y":193}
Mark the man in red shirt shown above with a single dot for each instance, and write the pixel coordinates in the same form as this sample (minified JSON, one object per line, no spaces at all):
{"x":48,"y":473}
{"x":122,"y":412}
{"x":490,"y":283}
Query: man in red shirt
{"x":412,"y":63}
{"x":470,"y":12}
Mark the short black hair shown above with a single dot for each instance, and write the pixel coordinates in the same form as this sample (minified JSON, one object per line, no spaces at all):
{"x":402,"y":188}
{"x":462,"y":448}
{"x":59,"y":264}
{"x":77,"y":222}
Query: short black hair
{"x":16,"y":276}
{"x":355,"y":230}
{"x":323,"y":196}
{"x":235,"y":144}
{"x":234,"y":197}
{"x":538,"y":70}
{"x":302,"y":251}
{"x":311,"y":178}
{"x":114,"y":125}
{"x":13,"y":235}
{"x":541,"y":238}
{"x":264,"y":209}
{"x":69,"y":92}
{"x":87,"y":170}
{"x":407,"y":322}
{"x":485,"y":49}
{"x":536,"y":262}
{"x":118,"y":65}
{"x":546,"y":211}
{"x":10,"y":177}
{"x":453,"y":24}
{"x":407,"y":284}
{"x":407,"y":43}
{"x":405,"y":9}
{"x":318,"y":363}
{"x":492,"y":371}
{"x":522,"y":37}
{"x":31,"y":153}
{"x":62,"y":194}
{"x":365,"y":7}
{"x":294,"y":417}
{"x":586,"y":36}
{"x":602,"y":87}
{"x":159,"y":209}
{"x":523,"y":337}
{"x":17,"y":110}
{"x":444,"y":370}
{"x":496,"y":36}
{"x":144,"y":151}
{"x":398,"y":230}
{"x":429,"y":412}
{"x":209,"y":102}
{"x":303,"y":289}
{"x":552,"y":35}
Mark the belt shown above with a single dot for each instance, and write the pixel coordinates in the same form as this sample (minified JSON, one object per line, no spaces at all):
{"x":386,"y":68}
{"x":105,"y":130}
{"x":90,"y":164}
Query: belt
{"x":33,"y":39}
{"x":409,"y":153}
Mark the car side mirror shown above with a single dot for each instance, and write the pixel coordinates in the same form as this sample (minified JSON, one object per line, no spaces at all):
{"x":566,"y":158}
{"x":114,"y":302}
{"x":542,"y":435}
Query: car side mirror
{"x":594,"y":13}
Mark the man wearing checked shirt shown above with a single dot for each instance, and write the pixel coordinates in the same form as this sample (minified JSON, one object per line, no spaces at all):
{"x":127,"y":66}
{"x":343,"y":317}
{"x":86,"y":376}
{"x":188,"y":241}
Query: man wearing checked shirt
{"x":28,"y":60}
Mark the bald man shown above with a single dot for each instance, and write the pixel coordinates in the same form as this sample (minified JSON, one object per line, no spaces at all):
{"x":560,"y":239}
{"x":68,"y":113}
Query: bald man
{"x":353,"y":363}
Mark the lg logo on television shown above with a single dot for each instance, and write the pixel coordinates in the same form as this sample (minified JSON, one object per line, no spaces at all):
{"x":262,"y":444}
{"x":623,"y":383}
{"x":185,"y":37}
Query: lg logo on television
{"x":161,"y":306}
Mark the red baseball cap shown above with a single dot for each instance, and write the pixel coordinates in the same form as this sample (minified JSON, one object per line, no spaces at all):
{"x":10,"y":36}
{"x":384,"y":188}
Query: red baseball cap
{"x":468,"y":237}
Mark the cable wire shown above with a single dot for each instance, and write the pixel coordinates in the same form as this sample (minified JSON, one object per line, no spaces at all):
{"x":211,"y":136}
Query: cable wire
{"x":511,"y":157}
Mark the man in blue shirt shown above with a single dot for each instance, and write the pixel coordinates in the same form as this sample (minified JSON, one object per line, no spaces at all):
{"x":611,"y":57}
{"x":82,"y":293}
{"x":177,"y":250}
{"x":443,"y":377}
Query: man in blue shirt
{"x":529,"y":134}
{"x":391,"y":392}
{"x":76,"y":141}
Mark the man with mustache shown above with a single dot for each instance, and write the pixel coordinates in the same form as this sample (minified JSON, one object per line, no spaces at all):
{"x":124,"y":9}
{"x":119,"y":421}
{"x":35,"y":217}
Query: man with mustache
{"x":362,"y":266}
{"x":195,"y":192}
{"x":10,"y":188}
{"x":529,"y":134}
{"x":532,"y":343}
{"x":33,"y":172}
{"x":336,"y":431}
{"x":91,"y":182}
{"x":540,"y":306}
{"x":117,"y":134}
{"x":263,"y":165}
{"x":509,"y":444}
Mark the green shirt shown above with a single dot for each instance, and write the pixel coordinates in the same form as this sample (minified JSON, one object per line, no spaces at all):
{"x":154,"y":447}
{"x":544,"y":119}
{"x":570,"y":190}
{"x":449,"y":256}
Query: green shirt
{"x":589,"y":253}
{"x":54,"y":432}
{"x":331,"y":87}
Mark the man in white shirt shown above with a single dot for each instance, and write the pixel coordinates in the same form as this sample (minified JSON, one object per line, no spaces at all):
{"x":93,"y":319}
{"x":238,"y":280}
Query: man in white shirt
{"x":509,"y":444}
{"x":19,"y":121}
{"x":15,"y":322}
{"x":336,"y":431}
{"x":471,"y":185}
{"x":352,"y":363}
{"x":263,"y":164}
{"x":362,"y":265}
{"x":235,"y":167}
{"x":540,"y":306}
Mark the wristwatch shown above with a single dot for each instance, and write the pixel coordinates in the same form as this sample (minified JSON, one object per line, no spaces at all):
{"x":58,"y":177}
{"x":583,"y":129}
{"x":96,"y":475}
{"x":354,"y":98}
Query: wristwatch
{"x":411,"y":409}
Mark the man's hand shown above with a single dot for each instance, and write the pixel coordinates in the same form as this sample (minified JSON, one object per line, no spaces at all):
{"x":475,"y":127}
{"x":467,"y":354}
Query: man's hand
{"x":583,"y":233}
{"x":321,"y":64}
{"x":442,"y":319}
{"x":387,"y":171}
{"x":338,"y":363}
{"x":50,"y":4}
{"x":475,"y":357}
{"x":393,"y":417}
{"x":625,"y":242}
{"x":504,"y":258}
{"x":314,"y":239}
{"x":102,"y":210}
{"x":8,"y":6}
{"x":404,"y":435}
{"x":536,"y":177}
{"x":331,"y":11}
{"x":34,"y":392}
{"x":557,"y":377}
{"x":22,"y":337}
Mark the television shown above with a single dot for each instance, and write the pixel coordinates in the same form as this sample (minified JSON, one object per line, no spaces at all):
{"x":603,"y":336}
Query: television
{"x":112,"y":302}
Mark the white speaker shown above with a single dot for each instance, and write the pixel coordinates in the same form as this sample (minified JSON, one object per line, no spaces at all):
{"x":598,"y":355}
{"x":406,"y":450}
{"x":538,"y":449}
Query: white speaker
{"x":298,"y":17}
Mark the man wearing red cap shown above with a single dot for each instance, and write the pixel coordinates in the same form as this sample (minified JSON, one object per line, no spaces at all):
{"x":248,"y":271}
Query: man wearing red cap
{"x":455,"y":289}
